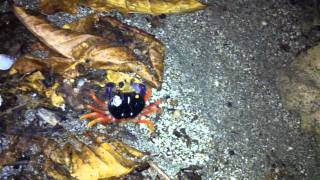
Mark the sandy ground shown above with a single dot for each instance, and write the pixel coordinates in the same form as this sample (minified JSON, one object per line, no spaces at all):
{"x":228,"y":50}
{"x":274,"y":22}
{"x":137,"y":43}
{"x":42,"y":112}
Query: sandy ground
{"x":221,"y":67}
{"x":223,"y":117}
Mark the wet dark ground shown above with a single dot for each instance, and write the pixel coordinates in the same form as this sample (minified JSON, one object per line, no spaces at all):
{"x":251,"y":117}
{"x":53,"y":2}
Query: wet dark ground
{"x":224,"y":118}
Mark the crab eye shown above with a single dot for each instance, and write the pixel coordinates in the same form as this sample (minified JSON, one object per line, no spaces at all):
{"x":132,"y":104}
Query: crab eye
{"x":109,"y":89}
{"x":121,"y":84}
{"x":140,"y":88}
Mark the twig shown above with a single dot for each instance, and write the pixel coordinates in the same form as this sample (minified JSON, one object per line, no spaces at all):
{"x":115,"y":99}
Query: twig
{"x":159,"y":170}
{"x":17,"y":163}
{"x":12,"y":109}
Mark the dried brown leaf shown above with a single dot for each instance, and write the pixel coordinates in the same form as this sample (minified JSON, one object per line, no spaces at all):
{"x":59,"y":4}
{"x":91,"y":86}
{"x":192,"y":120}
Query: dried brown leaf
{"x":98,"y":160}
{"x":154,"y":7}
{"x":52,"y":6}
{"x":102,"y":158}
{"x":92,"y":50}
{"x":34,"y":82}
{"x":150,"y":48}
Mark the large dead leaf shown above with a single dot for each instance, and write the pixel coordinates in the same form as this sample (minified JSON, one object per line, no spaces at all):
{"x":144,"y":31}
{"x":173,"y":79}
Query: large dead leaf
{"x":103,"y":158}
{"x":154,"y":7}
{"x":95,"y":161}
{"x":92,"y":50}
{"x":149,"y":50}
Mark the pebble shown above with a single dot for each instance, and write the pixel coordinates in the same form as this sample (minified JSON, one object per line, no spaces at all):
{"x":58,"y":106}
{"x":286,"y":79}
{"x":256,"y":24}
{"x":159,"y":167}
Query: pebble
{"x":81,"y":82}
{"x":264,"y":23}
{"x":6,"y":61}
{"x":216,"y":83}
{"x":48,"y":116}
{"x":176,"y":114}
{"x":1,"y":100}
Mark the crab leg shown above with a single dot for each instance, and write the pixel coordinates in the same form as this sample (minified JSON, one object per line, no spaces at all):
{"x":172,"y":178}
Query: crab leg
{"x":148,"y":95}
{"x":101,"y":119}
{"x":151,"y":108}
{"x":96,"y":109}
{"x":154,"y":110}
{"x":152,"y":105}
{"x":90,"y":115}
{"x":97,"y":100}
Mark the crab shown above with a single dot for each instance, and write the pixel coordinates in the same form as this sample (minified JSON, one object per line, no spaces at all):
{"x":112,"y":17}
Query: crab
{"x":123,"y":106}
{"x":112,"y":47}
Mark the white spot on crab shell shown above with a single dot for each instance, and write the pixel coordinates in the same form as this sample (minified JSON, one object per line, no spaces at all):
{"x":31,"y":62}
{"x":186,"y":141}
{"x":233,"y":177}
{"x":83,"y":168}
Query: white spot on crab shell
{"x":6,"y":61}
{"x":129,"y":100}
{"x":131,"y":114}
{"x":116,"y":101}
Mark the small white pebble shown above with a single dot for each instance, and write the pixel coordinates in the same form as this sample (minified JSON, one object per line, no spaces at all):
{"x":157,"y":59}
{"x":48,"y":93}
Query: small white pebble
{"x":1,"y":100}
{"x":63,"y":107}
{"x":290,"y":148}
{"x":176,"y":114}
{"x":76,"y":90}
{"x":6,"y":61}
{"x":81,"y":82}
{"x":264,"y":23}
{"x":48,"y":116}
{"x":216,"y":83}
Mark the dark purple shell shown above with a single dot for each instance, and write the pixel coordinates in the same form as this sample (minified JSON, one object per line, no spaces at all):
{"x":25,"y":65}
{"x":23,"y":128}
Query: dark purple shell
{"x":126,"y":105}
